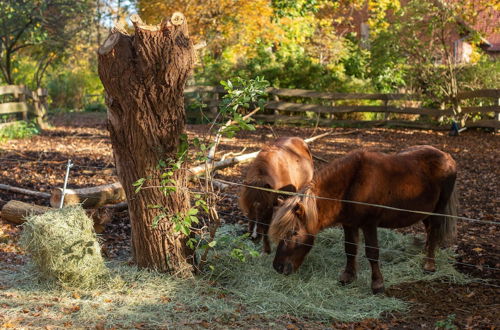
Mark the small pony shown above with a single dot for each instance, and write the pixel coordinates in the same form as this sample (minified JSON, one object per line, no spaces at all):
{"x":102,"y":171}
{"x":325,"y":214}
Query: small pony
{"x":285,"y":165}
{"x":420,"y":178}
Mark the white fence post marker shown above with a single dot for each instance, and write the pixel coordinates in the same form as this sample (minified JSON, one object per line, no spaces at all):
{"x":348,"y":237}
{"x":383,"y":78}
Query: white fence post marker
{"x":70,"y":165}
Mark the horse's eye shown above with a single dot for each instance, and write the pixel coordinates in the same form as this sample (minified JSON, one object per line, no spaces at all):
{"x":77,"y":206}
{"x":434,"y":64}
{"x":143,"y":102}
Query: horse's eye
{"x":294,"y":232}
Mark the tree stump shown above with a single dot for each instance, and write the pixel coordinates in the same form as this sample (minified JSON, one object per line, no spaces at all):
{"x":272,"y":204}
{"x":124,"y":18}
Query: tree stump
{"x":144,"y":77}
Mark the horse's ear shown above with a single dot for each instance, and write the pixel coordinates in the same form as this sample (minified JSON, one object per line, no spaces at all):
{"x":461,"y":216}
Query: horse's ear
{"x":299,"y":210}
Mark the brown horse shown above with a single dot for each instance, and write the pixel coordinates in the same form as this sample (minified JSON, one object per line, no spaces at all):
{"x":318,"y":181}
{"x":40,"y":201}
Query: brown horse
{"x":286,"y":165}
{"x":421,"y":178}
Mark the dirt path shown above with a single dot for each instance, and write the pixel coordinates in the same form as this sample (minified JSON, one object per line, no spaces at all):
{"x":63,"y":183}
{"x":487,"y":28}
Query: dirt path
{"x":38,"y":163}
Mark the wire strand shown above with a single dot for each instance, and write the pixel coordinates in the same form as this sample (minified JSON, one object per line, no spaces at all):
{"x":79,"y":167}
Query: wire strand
{"x":366,"y":246}
{"x":358,"y":203}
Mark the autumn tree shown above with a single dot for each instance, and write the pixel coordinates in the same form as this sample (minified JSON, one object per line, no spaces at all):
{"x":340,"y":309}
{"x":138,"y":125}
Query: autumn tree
{"x":39,"y":29}
{"x":424,"y":32}
{"x":144,"y":76}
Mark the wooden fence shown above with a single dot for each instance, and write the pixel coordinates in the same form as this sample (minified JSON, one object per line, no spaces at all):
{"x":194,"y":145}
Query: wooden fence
{"x":291,"y":105}
{"x":19,"y":101}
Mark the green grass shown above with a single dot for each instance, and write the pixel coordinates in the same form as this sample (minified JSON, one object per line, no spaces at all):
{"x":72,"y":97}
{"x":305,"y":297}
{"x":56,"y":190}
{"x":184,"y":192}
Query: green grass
{"x":232,"y":290}
{"x":18,"y":130}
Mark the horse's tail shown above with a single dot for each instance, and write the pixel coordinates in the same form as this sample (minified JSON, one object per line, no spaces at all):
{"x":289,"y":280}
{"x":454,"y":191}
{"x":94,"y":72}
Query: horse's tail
{"x":446,"y":226}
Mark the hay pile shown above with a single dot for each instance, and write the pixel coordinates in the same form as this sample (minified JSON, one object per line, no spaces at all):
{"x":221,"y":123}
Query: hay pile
{"x":314,"y":291}
{"x":64,"y":248}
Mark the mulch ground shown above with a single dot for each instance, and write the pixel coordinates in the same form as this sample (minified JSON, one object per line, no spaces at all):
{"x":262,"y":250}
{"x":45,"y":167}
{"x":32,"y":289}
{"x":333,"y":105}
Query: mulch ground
{"x":39,"y":164}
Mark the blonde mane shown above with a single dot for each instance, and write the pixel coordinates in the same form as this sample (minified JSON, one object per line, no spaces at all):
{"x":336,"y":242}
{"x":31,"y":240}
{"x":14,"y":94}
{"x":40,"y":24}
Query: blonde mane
{"x":286,"y":220}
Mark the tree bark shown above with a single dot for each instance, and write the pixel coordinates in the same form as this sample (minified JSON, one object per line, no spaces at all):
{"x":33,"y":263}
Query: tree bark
{"x":144,"y":77}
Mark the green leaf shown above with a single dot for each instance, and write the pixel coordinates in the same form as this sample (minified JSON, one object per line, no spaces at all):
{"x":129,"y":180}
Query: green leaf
{"x":193,"y":211}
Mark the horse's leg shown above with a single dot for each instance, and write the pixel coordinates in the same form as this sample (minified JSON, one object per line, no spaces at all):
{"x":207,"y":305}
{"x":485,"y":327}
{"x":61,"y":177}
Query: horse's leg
{"x":351,"y":250}
{"x":430,"y":246}
{"x":265,"y":244}
{"x":371,"y":248}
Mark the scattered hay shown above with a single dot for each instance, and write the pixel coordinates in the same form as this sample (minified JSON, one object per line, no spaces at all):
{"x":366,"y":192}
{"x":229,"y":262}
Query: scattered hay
{"x":64,"y":249}
{"x":231,"y":291}
{"x":314,"y":291}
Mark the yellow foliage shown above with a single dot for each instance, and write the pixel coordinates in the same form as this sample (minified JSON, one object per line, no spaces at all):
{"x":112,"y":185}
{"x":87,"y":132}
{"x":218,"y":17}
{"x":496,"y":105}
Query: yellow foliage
{"x":235,"y":27}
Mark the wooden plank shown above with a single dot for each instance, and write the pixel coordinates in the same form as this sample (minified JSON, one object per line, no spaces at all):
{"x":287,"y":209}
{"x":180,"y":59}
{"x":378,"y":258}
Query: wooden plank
{"x":494,"y":93}
{"x":353,"y":123}
{"x":204,"y":89}
{"x":14,"y":89}
{"x":300,"y":107}
{"x":339,"y":96}
{"x":487,"y":123}
{"x":483,"y":109}
{"x":13,"y":107}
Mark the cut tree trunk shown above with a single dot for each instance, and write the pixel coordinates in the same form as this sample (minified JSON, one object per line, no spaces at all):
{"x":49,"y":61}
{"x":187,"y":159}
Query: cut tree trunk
{"x":17,"y":211}
{"x":144,"y":77}
{"x":89,"y":197}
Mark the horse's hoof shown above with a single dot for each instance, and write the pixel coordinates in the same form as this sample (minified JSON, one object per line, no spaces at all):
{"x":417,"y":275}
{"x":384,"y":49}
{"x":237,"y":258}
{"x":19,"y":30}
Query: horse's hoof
{"x":347,"y":278}
{"x":429,"y":268}
{"x":379,"y":290}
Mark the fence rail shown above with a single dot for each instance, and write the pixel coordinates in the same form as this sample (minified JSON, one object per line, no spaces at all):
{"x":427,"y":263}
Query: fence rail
{"x":21,"y":100}
{"x":290,"y":109}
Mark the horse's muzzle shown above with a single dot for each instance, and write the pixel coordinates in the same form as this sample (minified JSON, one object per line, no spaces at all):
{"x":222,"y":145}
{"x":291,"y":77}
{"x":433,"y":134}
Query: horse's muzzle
{"x":285,"y":269}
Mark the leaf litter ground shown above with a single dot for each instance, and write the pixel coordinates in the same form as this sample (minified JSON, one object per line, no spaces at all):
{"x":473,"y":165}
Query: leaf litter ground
{"x":38,"y":163}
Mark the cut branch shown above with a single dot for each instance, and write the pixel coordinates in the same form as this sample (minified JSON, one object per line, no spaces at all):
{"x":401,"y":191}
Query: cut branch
{"x":109,"y":43}
{"x":177,"y":18}
{"x":197,"y":170}
{"x":24,"y":191}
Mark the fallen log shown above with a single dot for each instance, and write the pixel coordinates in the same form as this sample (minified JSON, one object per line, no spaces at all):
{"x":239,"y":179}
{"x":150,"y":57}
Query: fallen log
{"x":17,"y":212}
{"x":24,"y":191}
{"x":200,"y":169}
{"x":89,"y":197}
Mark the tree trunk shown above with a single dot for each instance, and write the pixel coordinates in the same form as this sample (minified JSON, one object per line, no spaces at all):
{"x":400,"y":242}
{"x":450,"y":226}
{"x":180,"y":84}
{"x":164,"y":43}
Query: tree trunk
{"x":144,"y":77}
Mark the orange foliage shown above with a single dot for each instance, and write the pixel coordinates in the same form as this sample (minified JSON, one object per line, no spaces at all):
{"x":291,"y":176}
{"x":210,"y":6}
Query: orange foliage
{"x":222,"y":23}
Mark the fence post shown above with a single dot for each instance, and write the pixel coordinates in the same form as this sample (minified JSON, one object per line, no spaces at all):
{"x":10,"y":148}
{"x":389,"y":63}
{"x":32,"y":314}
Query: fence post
{"x":497,"y":117}
{"x":22,"y":98}
{"x":40,"y":106}
{"x":386,"y":103}
{"x":214,"y":104}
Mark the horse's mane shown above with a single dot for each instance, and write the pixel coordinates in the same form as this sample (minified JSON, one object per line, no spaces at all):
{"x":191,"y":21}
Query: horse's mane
{"x":285,"y":219}
{"x":332,"y":181}
{"x":338,"y":171}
